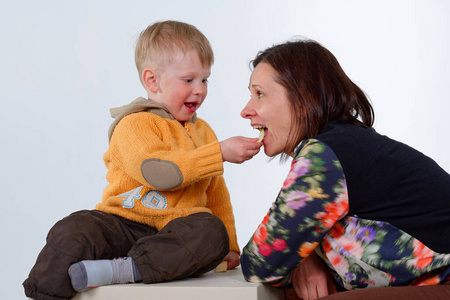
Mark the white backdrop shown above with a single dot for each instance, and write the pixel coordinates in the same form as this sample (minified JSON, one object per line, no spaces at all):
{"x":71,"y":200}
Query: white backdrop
{"x":65,"y":63}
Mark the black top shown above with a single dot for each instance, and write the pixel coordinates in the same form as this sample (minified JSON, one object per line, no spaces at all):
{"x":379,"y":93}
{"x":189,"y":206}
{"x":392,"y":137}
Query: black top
{"x":392,"y":182}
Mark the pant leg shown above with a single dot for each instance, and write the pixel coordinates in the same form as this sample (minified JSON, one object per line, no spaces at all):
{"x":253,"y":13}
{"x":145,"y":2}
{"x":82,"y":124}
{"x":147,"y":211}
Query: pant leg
{"x":84,"y":235}
{"x":186,"y":246}
{"x":434,"y":292}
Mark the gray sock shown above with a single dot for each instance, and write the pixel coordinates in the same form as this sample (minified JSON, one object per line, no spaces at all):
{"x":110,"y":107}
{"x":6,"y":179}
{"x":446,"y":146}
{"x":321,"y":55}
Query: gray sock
{"x":92,"y":273}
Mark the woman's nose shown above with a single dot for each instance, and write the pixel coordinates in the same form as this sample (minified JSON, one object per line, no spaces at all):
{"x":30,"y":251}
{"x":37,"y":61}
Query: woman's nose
{"x":248,"y":111}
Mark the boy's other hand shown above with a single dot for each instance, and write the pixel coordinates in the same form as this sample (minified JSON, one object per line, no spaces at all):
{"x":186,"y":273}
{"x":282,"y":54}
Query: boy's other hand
{"x":232,"y":259}
{"x":238,"y":149}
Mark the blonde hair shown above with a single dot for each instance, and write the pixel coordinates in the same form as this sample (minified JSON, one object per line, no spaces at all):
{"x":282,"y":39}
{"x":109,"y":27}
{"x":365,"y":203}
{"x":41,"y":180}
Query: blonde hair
{"x":158,"y":43}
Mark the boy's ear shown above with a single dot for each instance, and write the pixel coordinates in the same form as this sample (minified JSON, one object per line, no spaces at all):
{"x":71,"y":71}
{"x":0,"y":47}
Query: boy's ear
{"x":150,"y":80}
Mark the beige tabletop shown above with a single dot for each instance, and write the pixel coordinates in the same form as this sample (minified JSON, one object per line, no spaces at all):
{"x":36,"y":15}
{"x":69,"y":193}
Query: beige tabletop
{"x":229,"y":285}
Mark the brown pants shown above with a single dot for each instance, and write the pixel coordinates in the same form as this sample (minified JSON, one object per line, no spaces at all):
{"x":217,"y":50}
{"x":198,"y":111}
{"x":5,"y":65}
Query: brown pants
{"x":186,"y":246}
{"x":431,"y":292}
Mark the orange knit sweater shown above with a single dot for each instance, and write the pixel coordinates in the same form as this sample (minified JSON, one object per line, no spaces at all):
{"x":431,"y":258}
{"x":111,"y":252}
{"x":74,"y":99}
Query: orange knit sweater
{"x":159,"y":170}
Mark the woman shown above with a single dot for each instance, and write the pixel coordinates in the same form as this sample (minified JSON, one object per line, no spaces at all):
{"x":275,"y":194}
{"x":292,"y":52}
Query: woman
{"x":370,"y":211}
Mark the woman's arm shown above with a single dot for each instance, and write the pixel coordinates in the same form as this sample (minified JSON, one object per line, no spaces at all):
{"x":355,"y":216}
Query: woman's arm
{"x":312,"y":200}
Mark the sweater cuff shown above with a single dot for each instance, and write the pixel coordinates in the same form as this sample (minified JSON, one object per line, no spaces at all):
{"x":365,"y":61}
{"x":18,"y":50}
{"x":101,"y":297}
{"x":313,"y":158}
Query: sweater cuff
{"x":209,"y":159}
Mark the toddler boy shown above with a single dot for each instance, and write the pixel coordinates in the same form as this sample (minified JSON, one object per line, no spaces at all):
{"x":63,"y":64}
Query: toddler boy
{"x":166,"y":212}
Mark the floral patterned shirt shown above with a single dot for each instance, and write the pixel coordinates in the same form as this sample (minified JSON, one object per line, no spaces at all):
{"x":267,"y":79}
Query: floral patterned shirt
{"x":311,"y":213}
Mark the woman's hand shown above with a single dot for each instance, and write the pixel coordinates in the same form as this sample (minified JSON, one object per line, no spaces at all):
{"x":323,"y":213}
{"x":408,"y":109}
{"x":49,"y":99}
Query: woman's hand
{"x":238,"y":149}
{"x":232,"y":260}
{"x":312,"y":279}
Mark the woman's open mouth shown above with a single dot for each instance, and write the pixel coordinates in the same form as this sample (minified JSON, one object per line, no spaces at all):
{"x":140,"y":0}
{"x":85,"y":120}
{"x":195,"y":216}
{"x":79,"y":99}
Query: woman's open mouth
{"x":262,"y":131}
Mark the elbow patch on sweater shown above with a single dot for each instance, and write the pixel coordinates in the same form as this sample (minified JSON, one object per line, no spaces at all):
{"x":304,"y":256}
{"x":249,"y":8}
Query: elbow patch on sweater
{"x":161,"y":174}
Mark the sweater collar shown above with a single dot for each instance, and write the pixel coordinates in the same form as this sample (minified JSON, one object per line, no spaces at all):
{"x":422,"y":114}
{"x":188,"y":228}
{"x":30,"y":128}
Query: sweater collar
{"x":138,"y":105}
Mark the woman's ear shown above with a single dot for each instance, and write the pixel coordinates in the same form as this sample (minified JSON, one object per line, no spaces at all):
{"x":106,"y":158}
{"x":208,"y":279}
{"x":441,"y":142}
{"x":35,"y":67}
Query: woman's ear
{"x":150,"y":80}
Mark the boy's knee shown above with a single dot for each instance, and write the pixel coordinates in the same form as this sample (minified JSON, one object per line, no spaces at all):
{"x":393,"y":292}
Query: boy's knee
{"x":207,"y":234}
{"x":76,"y":233}
{"x":72,"y":224}
{"x":199,"y":226}
{"x":216,"y":229}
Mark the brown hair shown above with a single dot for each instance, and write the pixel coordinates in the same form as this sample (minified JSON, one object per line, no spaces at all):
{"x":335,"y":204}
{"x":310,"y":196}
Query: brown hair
{"x":317,"y":88}
{"x":159,"y":41}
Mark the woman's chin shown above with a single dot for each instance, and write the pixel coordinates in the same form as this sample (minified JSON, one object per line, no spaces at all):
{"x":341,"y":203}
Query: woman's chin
{"x":271,"y":152}
{"x":268,"y":151}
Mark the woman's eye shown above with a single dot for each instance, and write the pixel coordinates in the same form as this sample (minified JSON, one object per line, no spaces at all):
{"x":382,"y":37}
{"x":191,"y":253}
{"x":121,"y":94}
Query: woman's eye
{"x":256,"y":93}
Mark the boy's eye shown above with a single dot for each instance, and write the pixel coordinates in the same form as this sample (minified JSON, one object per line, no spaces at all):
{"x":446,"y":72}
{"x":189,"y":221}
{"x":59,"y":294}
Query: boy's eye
{"x":188,"y":80}
{"x":205,"y":80}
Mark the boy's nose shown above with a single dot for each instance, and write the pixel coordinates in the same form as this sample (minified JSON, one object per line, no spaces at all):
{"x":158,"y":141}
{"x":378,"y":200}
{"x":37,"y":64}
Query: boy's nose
{"x":200,"y":89}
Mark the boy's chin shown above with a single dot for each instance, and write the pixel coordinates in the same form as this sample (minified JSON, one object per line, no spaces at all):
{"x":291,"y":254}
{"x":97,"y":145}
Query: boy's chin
{"x":184,"y":117}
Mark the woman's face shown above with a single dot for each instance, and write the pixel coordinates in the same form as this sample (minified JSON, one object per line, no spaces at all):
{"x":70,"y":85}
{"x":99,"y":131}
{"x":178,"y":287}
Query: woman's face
{"x":269,"y":108}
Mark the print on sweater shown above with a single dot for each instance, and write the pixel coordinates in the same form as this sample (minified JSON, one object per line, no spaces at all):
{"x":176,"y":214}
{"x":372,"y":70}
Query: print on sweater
{"x":128,"y":202}
{"x":152,"y":199}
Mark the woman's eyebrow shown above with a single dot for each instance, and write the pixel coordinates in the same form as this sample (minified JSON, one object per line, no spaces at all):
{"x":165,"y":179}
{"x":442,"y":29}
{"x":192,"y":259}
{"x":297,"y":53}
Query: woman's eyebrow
{"x":254,"y":86}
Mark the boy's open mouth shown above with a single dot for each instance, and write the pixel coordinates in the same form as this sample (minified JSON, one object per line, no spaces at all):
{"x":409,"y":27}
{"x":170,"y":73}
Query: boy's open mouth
{"x":191,"y":106}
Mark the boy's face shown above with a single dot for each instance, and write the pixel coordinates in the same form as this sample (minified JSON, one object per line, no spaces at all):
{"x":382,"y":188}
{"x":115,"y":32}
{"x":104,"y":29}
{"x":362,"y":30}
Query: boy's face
{"x":183,"y":85}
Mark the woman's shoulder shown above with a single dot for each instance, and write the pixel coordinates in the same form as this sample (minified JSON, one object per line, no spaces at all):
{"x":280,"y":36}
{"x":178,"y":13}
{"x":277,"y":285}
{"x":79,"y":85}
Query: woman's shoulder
{"x":317,"y":153}
{"x":338,"y":132}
